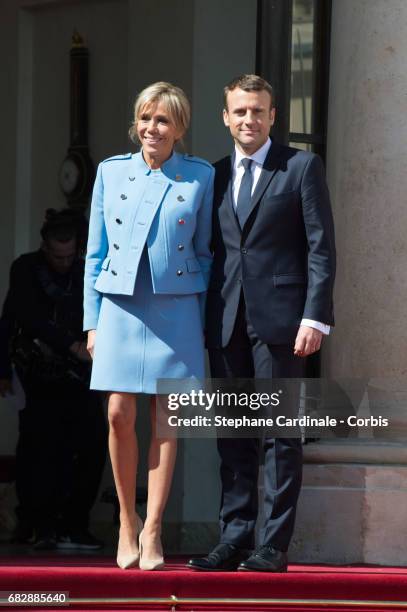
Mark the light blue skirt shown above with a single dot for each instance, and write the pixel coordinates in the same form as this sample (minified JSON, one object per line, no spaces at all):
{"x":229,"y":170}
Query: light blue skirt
{"x":146,"y":337}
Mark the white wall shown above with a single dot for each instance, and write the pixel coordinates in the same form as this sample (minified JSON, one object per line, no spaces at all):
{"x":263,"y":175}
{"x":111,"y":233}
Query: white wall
{"x":8,"y":62}
{"x":104,"y":28}
{"x":224,"y":47}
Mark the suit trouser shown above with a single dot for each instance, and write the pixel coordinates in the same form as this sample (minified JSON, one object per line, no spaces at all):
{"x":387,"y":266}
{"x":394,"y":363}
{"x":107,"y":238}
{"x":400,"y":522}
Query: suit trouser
{"x":246,"y":356}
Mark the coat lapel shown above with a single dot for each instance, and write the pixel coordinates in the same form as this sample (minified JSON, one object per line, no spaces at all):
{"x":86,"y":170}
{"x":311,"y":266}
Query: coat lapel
{"x":270,"y":167}
{"x":228,"y":193}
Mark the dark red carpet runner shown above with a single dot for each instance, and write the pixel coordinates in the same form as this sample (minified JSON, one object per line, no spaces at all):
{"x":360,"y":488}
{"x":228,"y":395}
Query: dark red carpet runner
{"x":304,"y":587}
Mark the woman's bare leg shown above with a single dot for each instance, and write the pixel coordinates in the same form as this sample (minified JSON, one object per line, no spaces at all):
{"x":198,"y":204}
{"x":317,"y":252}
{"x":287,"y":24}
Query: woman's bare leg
{"x":123,"y":450}
{"x":161,"y":461}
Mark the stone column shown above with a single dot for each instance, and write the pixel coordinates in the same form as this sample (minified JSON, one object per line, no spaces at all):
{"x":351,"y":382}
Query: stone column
{"x":367,"y":161}
{"x":357,"y":488}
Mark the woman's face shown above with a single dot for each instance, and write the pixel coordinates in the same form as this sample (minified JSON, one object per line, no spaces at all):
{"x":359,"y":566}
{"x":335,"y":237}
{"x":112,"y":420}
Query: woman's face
{"x":157,"y":133}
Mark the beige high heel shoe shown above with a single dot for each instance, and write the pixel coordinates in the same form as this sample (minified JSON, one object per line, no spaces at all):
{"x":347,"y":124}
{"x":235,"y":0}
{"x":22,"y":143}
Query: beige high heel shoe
{"x":131,"y":560}
{"x":154,"y":563}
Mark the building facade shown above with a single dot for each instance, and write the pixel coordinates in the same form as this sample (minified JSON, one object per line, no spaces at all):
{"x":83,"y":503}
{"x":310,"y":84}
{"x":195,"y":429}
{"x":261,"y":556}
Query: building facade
{"x":341,"y":87}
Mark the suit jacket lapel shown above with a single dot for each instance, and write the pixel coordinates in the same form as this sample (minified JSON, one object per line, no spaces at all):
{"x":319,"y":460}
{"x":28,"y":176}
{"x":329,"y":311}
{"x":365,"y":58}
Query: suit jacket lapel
{"x":228,"y":197}
{"x":270,"y":167}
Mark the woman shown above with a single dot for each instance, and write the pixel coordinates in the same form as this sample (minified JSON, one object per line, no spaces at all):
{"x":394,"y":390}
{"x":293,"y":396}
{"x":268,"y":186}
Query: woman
{"x":147,"y":268}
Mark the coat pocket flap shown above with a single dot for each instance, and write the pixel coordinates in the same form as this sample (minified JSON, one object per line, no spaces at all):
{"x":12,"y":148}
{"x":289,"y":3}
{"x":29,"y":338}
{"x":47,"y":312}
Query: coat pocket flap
{"x":193,"y":265}
{"x":289,"y":279}
{"x":105,"y":264}
{"x":288,"y":196}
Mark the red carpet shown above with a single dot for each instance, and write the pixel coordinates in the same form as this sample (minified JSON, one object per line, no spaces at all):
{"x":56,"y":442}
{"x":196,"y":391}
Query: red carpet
{"x":304,"y":587}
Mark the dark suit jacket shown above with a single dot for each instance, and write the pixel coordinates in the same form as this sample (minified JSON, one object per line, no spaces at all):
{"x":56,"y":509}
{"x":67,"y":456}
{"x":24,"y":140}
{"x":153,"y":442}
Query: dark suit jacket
{"x":283,"y":259}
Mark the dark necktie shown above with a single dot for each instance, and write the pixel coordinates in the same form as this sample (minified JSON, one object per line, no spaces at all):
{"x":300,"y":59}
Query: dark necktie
{"x":245,"y":192}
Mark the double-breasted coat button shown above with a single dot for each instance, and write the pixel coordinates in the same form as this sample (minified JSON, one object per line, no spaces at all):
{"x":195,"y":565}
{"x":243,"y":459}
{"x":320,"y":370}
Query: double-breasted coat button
{"x":119,"y":221}
{"x":114,"y":272}
{"x":123,"y":196}
{"x":244,"y":251}
{"x":181,"y":221}
{"x":180,"y":247}
{"x":180,"y":198}
{"x":179,"y":273}
{"x":116,"y":246}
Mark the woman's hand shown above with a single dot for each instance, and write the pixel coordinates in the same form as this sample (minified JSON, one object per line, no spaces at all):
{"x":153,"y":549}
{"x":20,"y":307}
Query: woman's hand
{"x":91,"y":341}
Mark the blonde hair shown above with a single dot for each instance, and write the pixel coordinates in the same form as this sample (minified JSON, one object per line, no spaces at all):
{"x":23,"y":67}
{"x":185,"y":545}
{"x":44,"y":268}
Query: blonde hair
{"x":174,"y":99}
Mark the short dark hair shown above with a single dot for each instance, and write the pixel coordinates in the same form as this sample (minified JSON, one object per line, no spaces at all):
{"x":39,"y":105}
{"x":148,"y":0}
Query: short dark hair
{"x":248,"y":82}
{"x":64,"y":225}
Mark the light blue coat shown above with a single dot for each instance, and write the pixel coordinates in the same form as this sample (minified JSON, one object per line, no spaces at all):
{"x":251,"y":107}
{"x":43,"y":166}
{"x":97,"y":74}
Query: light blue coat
{"x":171,"y":211}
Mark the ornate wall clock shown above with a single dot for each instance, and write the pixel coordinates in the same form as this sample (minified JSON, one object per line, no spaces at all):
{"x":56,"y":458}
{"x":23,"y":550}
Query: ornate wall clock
{"x":76,"y":173}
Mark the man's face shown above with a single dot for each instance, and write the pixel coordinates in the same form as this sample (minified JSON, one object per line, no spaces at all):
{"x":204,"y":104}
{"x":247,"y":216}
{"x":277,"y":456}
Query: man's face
{"x":60,"y":255}
{"x":249,"y":117}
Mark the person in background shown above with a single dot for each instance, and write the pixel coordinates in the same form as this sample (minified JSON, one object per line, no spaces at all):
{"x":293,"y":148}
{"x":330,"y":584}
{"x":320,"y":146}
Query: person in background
{"x":62,"y":442}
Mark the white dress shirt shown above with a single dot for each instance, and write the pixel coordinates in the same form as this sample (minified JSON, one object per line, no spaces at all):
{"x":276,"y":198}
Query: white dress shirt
{"x":258,"y":158}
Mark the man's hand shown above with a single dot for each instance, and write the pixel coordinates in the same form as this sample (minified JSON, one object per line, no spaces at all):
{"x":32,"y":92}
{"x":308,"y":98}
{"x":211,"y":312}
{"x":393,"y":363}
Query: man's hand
{"x":308,"y":341}
{"x":91,"y":341}
{"x":6,"y":387}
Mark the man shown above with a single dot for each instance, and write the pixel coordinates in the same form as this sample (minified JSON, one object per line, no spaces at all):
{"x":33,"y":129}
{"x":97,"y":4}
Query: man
{"x":62,"y":432}
{"x":269,"y":304}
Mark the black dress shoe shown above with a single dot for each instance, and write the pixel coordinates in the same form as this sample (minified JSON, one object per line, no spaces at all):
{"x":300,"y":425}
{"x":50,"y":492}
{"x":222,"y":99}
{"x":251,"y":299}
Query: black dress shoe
{"x":45,"y":540}
{"x":223,"y":558}
{"x":79,"y":539}
{"x":265,"y":559}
